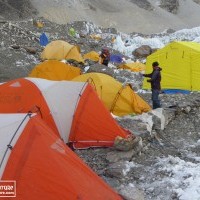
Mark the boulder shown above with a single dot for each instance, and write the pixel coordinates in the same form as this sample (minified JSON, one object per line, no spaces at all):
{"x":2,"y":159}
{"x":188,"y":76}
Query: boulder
{"x":117,"y":156}
{"x":101,"y":69}
{"x":142,"y":52}
{"x":30,"y":50}
{"x":136,"y":125}
{"x":126,"y":144}
{"x":119,"y":169}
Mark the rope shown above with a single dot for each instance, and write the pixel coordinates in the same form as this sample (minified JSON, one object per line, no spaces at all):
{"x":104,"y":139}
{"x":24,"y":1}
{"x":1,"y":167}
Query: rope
{"x":80,"y":94}
{"x":9,"y":146}
{"x":116,"y":98}
{"x":118,"y":95}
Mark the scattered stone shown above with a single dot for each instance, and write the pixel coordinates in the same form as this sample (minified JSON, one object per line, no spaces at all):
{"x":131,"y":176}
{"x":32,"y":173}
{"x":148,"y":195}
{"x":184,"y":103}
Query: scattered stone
{"x":116,"y":156}
{"x":117,"y":170}
{"x":101,"y":69}
{"x":30,"y":50}
{"x":15,"y":46}
{"x":158,"y":118}
{"x":187,"y":109}
{"x":126,"y":144}
{"x":131,"y":193}
{"x":137,"y":126}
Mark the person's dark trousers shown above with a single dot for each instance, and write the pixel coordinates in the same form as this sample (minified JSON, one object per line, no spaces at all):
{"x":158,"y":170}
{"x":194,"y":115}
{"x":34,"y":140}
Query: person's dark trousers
{"x":155,"y":99}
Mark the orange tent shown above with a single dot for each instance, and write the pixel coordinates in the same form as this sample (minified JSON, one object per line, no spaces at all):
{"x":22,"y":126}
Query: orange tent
{"x":42,"y":165}
{"x":72,"y":109}
{"x":55,"y":70}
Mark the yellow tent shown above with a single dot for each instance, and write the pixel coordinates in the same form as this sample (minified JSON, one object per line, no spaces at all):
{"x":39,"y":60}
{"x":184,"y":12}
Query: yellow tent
{"x":58,"y":50}
{"x":180,"y":63}
{"x":120,"y":100}
{"x":55,"y":70}
{"x":135,"y":66}
{"x":92,"y":55}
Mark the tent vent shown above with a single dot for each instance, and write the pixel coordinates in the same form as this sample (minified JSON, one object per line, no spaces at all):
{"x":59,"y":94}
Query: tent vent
{"x":16,"y":84}
{"x":183,"y":54}
{"x":9,"y":146}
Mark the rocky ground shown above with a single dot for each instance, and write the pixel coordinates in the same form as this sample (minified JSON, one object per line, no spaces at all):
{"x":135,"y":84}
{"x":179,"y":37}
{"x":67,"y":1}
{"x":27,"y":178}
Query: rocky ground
{"x":145,"y":177}
{"x":170,"y":133}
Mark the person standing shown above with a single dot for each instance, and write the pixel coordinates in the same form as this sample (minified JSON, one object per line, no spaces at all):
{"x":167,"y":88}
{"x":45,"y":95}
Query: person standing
{"x":104,"y":57}
{"x":155,"y":79}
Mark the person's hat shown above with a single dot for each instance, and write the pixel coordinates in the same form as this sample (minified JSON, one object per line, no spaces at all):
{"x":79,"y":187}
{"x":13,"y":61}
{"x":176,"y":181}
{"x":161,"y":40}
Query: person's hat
{"x":155,"y":64}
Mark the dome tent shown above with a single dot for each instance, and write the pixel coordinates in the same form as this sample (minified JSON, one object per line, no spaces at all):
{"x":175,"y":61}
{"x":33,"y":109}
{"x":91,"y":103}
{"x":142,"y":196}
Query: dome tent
{"x":59,"y":50}
{"x":92,"y":55}
{"x":72,"y":109}
{"x":118,"y":99}
{"x":55,"y":70}
{"x":42,"y":165}
{"x":180,"y":62}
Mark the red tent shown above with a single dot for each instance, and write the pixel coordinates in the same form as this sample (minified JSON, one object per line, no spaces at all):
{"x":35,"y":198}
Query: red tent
{"x":42,"y":165}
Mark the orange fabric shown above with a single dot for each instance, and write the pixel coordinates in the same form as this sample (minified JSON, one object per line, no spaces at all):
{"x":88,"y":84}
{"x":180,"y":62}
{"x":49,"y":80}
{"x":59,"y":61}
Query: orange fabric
{"x":24,"y":97}
{"x":55,"y":70}
{"x":93,"y":125}
{"x":45,"y":168}
{"x":92,"y":55}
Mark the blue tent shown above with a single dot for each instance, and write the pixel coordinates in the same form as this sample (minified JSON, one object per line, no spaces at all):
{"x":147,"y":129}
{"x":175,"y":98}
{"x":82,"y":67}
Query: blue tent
{"x":43,"y":39}
{"x":116,"y":58}
{"x":175,"y":91}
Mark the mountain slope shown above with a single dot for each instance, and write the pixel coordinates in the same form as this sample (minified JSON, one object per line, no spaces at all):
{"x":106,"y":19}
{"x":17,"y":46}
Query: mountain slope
{"x":127,"y":16}
{"x":143,"y":16}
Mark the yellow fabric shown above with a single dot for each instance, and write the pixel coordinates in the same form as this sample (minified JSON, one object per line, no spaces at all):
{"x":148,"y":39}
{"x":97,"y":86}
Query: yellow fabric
{"x":92,"y":55}
{"x":40,"y":24}
{"x":135,"y":66}
{"x":55,"y":70}
{"x":120,"y":100}
{"x":96,"y":37}
{"x":180,"y":63}
{"x":59,"y":50}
